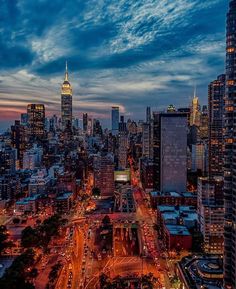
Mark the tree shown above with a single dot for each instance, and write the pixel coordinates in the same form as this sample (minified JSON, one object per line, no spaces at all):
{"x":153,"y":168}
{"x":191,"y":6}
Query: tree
{"x":30,"y":237}
{"x":175,"y":282}
{"x":4,"y":243}
{"x":54,"y":272}
{"x":106,"y":220}
{"x":17,"y":275}
{"x":148,"y":281}
{"x":96,"y":192}
{"x":16,"y":221}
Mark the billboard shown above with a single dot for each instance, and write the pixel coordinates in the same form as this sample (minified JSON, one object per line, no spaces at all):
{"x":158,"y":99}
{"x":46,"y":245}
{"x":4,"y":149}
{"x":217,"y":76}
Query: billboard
{"x":122,"y":176}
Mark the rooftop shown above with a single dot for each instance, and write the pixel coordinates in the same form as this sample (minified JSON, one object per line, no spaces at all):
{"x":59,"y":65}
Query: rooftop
{"x":178,"y":230}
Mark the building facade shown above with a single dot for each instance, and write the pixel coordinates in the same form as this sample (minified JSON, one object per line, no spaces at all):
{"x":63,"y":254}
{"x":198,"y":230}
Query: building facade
{"x":36,"y":121}
{"x":229,"y":154}
{"x":210,"y":215}
{"x":173,"y":152}
{"x":115,"y":115}
{"x":216,"y":93}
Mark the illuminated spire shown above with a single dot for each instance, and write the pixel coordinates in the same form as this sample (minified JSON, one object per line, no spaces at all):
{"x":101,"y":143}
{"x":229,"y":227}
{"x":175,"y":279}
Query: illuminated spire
{"x":66,"y":74}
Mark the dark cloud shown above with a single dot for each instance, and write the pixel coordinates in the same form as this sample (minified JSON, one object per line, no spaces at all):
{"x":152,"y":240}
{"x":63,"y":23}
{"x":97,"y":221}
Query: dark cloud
{"x":165,"y":48}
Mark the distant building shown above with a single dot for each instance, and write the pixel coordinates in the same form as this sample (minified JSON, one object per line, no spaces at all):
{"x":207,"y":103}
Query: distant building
{"x":122,"y":145}
{"x":85,"y":122}
{"x":148,"y":114}
{"x":203,"y":129}
{"x":10,"y":186}
{"x":36,"y":121}
{"x":146,"y":140}
{"x":90,"y":127}
{"x":19,"y":139}
{"x":8,"y":157}
{"x":195,"y":115}
{"x":66,"y":102}
{"x":187,"y":111}
{"x":24,"y":119}
{"x":115,"y":115}
{"x":32,"y":158}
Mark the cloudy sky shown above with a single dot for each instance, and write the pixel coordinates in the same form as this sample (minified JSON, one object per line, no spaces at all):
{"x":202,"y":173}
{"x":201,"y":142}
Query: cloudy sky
{"x":130,"y":53}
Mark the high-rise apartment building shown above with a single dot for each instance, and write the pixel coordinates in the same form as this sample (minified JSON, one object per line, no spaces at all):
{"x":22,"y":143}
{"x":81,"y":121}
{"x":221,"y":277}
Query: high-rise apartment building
{"x":216,"y":93}
{"x":229,"y":152}
{"x":66,"y":102}
{"x":19,"y":139}
{"x":170,"y":151}
{"x":210,"y":215}
{"x":146,"y":140}
{"x":115,"y":115}
{"x":36,"y":120}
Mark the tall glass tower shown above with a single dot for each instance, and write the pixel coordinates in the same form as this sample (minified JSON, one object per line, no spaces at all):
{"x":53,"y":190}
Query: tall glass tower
{"x":115,"y":115}
{"x":230,"y":152}
{"x":66,"y":102}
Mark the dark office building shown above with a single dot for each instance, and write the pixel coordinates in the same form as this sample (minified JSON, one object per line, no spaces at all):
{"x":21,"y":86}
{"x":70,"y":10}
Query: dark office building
{"x":170,"y":151}
{"x":85,"y":122}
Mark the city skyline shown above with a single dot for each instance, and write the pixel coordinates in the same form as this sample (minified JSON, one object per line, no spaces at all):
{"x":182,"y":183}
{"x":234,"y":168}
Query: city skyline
{"x":127,"y":63}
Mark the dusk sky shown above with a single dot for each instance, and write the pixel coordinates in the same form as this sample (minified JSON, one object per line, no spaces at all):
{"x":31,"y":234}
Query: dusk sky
{"x":130,"y":53}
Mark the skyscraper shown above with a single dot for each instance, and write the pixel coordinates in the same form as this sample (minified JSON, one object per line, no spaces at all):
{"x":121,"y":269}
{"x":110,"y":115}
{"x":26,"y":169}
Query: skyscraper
{"x":115,"y":114}
{"x":148,"y":114}
{"x":216,"y":93}
{"x":229,"y":155}
{"x":146,"y":140}
{"x":66,"y":102}
{"x":170,"y":151}
{"x":19,"y":139}
{"x":195,"y":116}
{"x":36,"y":120}
{"x":85,"y":122}
{"x":123,"y":144}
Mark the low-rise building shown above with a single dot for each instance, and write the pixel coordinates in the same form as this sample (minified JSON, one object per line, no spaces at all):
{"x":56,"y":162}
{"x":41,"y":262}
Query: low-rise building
{"x":177,"y":238}
{"x":28,"y":204}
{"x":173,"y":199}
{"x":175,"y":223}
{"x":39,"y":182}
{"x":63,"y":203}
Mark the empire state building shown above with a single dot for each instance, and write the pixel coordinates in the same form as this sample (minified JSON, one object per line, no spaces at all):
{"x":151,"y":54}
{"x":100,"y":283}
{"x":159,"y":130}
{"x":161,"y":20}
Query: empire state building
{"x":66,"y":102}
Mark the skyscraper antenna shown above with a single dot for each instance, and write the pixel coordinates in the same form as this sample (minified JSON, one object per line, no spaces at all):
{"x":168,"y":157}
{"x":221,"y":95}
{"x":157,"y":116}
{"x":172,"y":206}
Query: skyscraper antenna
{"x":195,"y":91}
{"x":66,"y":74}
